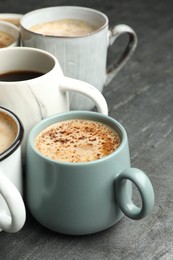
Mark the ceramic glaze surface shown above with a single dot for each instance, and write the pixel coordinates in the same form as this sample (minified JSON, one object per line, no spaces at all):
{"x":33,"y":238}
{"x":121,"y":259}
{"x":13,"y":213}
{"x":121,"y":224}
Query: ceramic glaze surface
{"x":12,"y":208}
{"x":35,"y":99}
{"x":83,"y":57}
{"x":83,"y":198}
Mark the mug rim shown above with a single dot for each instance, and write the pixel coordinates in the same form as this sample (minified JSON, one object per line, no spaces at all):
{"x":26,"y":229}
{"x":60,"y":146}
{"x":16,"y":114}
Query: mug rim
{"x":88,"y":115}
{"x":8,"y":24}
{"x":10,"y":15}
{"x":96,"y":12}
{"x":30,"y":49}
{"x":19,"y":137}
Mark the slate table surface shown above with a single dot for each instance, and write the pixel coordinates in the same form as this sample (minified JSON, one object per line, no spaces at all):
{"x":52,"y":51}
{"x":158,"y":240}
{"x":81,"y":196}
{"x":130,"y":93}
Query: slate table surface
{"x":141,"y":98}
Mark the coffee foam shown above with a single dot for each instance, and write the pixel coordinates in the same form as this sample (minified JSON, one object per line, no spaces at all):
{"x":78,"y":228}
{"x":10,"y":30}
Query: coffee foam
{"x":5,"y":39}
{"x":8,"y":131}
{"x":15,"y":21}
{"x":77,"y":141}
{"x":64,"y":27}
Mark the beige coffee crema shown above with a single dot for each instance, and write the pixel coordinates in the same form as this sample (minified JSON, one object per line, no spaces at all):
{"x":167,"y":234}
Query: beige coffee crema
{"x":64,"y":27}
{"x":5,"y":39}
{"x":14,"y":21}
{"x":77,"y":140}
{"x":8,"y":132}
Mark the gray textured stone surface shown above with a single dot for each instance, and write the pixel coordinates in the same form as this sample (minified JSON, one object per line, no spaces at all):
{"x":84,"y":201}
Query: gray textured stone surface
{"x":141,"y":98}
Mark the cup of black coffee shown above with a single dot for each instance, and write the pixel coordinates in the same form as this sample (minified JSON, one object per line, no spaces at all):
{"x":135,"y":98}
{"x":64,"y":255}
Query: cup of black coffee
{"x":32,"y":85}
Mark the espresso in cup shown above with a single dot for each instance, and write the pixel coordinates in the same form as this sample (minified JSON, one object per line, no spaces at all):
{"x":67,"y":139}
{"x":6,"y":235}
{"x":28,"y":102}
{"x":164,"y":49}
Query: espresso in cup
{"x":64,"y":27}
{"x":20,"y":75}
{"x":33,"y":86}
{"x":8,"y":131}
{"x":6,"y":39}
{"x":77,"y":140}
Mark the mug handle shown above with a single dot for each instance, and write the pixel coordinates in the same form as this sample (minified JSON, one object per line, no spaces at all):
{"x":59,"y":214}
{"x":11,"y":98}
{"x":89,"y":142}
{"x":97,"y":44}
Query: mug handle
{"x":145,"y":189}
{"x":15,"y":205}
{"x":69,"y":84}
{"x":114,"y":33}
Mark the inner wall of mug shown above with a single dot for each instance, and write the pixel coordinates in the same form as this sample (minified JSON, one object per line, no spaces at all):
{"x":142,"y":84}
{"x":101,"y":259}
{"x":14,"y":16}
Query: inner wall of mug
{"x":19,"y":136}
{"x":79,"y":115}
{"x":89,"y":15}
{"x":25,"y":59}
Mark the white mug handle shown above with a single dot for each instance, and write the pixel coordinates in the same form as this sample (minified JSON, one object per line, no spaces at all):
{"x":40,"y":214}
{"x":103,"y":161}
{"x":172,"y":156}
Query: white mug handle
{"x":15,"y":205}
{"x":69,"y":84}
{"x":114,"y":33}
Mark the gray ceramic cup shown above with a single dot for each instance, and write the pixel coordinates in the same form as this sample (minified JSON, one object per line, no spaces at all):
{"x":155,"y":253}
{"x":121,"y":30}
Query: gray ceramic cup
{"x":81,"y":57}
{"x":84,"y":198}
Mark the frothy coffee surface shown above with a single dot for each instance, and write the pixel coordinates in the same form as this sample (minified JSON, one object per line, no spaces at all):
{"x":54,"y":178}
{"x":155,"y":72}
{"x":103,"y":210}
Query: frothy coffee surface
{"x":77,"y":140}
{"x":8,"y":131}
{"x":5,"y":39}
{"x":64,"y":27}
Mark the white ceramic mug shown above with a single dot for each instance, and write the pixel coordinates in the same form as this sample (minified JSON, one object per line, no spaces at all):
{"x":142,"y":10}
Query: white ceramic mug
{"x":12,"y":209}
{"x":12,"y":30}
{"x":35,"y":99}
{"x":82,"y":57}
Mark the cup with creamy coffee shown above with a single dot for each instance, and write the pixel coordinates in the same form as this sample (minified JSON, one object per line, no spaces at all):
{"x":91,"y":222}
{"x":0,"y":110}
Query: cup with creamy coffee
{"x":77,"y":141}
{"x":9,"y":35}
{"x":79,"y":176}
{"x":12,"y":209}
{"x":79,"y":37}
{"x":64,"y":27}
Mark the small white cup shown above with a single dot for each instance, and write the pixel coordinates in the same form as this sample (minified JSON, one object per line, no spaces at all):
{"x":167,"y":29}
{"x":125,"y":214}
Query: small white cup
{"x":12,"y":209}
{"x":12,"y":30}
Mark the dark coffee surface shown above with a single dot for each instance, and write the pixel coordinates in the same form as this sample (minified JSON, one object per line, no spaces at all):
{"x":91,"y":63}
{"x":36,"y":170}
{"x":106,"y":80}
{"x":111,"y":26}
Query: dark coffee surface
{"x":19,"y":75}
{"x":141,"y":98}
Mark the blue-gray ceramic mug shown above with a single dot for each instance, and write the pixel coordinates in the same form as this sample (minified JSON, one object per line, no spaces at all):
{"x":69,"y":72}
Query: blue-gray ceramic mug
{"x":86,"y":197}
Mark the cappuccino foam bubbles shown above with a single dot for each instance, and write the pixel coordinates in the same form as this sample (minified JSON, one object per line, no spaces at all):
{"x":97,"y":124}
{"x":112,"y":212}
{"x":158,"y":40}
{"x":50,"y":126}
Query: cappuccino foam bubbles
{"x":77,"y":140}
{"x":8,"y":132}
{"x":64,"y":27}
